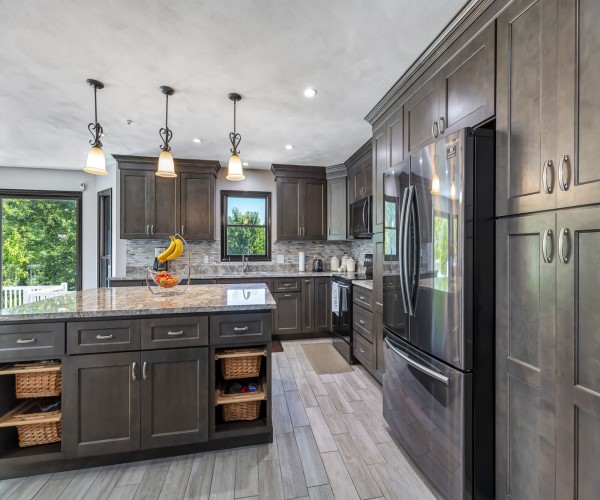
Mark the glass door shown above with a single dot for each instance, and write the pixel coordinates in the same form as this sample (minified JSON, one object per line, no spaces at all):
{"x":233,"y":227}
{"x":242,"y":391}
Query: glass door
{"x":104,"y":237}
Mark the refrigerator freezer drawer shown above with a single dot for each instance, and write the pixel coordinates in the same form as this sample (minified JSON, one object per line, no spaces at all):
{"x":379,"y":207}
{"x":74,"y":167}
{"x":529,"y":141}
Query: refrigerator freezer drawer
{"x":427,"y":405}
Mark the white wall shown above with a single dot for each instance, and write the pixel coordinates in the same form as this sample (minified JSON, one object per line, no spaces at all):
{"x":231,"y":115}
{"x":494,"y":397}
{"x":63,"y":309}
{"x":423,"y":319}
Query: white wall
{"x":64,"y":180}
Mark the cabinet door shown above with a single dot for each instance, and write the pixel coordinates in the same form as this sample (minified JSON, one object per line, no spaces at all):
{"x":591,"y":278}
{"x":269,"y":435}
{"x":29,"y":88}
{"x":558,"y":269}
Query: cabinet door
{"x":525,"y":356}
{"x":315,"y":209}
{"x":367,"y":175}
{"x":352,"y":193}
{"x":136,"y":190}
{"x":289,"y":206}
{"x":322,"y":301}
{"x":467,"y":84}
{"x":308,"y":305}
{"x":197,"y":206}
{"x":421,"y":117}
{"x":380,"y":165}
{"x":174,"y":397}
{"x":578,"y":103}
{"x":163,"y":207}
{"x":578,"y":354}
{"x":101,"y":404}
{"x":378,"y":269}
{"x":287,"y":317}
{"x":337,"y":209}
{"x":526,"y":108}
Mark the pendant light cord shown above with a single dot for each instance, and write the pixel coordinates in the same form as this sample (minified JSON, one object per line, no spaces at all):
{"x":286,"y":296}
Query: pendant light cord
{"x":234,"y":137}
{"x":165,"y":133}
{"x":95,"y":128}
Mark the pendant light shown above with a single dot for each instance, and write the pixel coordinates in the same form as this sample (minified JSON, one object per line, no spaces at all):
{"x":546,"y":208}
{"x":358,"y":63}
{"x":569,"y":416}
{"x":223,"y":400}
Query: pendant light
{"x":235,"y":171}
{"x":96,"y":163}
{"x":166,"y":165}
{"x":435,"y":179}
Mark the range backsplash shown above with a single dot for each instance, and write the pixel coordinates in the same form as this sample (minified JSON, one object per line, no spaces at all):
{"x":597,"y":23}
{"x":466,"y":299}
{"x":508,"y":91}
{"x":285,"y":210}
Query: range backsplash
{"x":140,"y":254}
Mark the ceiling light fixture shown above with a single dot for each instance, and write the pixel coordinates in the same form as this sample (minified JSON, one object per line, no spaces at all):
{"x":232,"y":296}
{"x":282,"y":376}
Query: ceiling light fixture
{"x":96,"y":163}
{"x":166,"y":165}
{"x":235,"y":172}
{"x":289,"y":147}
{"x":245,"y":163}
{"x":196,"y":140}
{"x":310,"y":92}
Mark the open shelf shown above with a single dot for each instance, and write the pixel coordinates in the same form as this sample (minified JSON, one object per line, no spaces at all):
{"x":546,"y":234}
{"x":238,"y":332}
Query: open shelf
{"x":19,"y":416}
{"x":223,"y":399}
{"x":37,"y":367}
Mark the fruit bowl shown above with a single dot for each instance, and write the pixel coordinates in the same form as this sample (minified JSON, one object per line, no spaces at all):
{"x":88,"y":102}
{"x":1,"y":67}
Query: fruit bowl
{"x":173,"y":282}
{"x":165,"y":279}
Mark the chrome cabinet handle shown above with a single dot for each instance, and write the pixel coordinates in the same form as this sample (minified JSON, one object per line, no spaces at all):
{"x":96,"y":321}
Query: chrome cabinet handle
{"x":287,"y":295}
{"x":152,"y":229}
{"x":175,"y":334}
{"x":362,"y":321}
{"x":547,"y":257}
{"x":435,"y":130}
{"x":182,"y":229}
{"x":147,"y":228}
{"x":329,"y":230}
{"x":361,"y":298}
{"x":547,"y":187}
{"x":442,"y":124}
{"x":26,"y":341}
{"x":562,"y":256}
{"x":422,"y":368}
{"x":287,"y":284}
{"x":362,"y":350}
{"x":240,"y":328}
{"x":133,"y":367}
{"x":564,"y":186}
{"x":105,"y":337}
{"x":145,"y":370}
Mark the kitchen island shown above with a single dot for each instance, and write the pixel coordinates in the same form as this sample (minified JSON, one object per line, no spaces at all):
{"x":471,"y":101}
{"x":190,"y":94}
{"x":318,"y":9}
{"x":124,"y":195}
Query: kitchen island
{"x":143,"y":376}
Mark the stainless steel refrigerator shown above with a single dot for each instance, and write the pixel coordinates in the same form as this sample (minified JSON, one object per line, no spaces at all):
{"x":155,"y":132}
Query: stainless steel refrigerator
{"x":438,"y":290}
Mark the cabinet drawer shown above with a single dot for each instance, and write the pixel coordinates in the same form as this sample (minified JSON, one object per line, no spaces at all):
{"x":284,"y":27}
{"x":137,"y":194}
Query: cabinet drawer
{"x":163,"y":333}
{"x":32,"y":340}
{"x":287,"y":284}
{"x":84,"y":337}
{"x":363,"y":322}
{"x":363,"y":351}
{"x":363,"y":296}
{"x":240,"y":328}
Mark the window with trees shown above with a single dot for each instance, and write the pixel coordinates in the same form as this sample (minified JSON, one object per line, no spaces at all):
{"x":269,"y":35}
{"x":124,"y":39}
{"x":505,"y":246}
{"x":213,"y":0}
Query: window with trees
{"x":246,"y":225}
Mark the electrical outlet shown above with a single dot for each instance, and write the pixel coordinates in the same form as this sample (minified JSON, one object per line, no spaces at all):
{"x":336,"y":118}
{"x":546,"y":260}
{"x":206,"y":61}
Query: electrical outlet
{"x":206,"y":259}
{"x":280,"y":259}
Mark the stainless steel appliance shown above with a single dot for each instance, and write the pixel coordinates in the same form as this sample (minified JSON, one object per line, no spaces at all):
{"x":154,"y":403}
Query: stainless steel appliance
{"x":361,"y":217}
{"x":317,"y":265}
{"x":438,"y":295}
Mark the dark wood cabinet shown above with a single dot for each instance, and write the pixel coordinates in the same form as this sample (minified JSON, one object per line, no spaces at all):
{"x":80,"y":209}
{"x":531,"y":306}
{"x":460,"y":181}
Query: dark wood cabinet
{"x":322,"y":301}
{"x":526,"y":256}
{"x":167,"y":333}
{"x":301,"y":202}
{"x":174,"y":397}
{"x":308,"y":305}
{"x":421,"y":117}
{"x":101,"y":404}
{"x":287,"y":317}
{"x":377,"y":301}
{"x":24,"y":341}
{"x":337,"y":206}
{"x":154,"y":207}
{"x":360,"y":173}
{"x":87,"y":337}
{"x":526,"y":170}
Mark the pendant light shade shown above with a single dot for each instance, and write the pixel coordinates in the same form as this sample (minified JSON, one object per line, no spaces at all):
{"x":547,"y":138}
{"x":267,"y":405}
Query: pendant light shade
{"x":235,"y":171}
{"x":166,"y":165}
{"x":96,"y":163}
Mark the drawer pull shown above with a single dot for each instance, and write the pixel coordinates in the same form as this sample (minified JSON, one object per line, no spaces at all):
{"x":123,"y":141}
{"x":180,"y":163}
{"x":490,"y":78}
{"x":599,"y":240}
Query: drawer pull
{"x":145,"y":370}
{"x":362,"y":321}
{"x":105,"y":337}
{"x":287,"y":284}
{"x":175,"y":334}
{"x":287,"y":295}
{"x":240,"y":328}
{"x":362,"y":350}
{"x":26,"y":341}
{"x":133,"y":367}
{"x":361,"y":298}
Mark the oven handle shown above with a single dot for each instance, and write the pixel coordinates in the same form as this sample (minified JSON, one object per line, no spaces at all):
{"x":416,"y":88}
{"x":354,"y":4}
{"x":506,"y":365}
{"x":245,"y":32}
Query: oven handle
{"x":422,"y":368}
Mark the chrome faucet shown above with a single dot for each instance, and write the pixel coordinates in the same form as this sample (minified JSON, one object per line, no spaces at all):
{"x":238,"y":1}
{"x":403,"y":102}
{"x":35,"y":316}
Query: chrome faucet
{"x":245,"y":260}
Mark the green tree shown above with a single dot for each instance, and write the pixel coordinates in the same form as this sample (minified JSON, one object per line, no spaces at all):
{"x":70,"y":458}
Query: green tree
{"x":39,"y":242}
{"x":243,"y":232}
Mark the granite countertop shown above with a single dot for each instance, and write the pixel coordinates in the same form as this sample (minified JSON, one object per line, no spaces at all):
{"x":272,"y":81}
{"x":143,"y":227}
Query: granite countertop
{"x":368,"y":284}
{"x":214,"y":276}
{"x":134,"y":301}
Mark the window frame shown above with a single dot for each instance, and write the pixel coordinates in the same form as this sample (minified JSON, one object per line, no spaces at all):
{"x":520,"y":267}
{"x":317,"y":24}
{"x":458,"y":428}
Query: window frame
{"x":225,"y":194}
{"x":50,"y":195}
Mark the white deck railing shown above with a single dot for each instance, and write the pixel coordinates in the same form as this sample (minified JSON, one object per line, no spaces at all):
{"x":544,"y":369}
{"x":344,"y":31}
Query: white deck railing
{"x":16,"y":295}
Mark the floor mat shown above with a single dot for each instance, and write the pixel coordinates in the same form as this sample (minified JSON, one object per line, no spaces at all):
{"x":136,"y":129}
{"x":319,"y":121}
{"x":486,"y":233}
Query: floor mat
{"x":276,"y":346}
{"x":325,"y":359}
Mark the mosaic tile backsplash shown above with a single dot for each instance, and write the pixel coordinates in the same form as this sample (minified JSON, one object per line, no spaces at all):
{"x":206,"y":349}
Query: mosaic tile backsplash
{"x":206,"y":255}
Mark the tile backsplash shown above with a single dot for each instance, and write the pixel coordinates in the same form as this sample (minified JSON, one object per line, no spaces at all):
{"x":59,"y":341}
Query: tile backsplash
{"x":140,"y":254}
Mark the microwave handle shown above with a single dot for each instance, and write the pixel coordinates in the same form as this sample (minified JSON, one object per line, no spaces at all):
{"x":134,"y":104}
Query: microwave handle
{"x":369,"y":214}
{"x":363,"y":214}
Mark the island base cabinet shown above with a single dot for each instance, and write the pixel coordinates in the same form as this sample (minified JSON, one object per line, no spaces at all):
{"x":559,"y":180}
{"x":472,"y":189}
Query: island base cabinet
{"x":101,"y":404}
{"x":121,"y":402}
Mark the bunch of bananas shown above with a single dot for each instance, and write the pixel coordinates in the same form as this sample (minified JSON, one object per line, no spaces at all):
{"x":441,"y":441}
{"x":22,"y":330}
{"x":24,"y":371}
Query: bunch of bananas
{"x":174,"y":250}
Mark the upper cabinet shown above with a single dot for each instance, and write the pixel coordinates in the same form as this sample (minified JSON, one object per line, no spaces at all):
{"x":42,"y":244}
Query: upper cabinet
{"x":337,"y":207}
{"x":154,"y":207}
{"x":301,"y":202}
{"x":360,"y":173}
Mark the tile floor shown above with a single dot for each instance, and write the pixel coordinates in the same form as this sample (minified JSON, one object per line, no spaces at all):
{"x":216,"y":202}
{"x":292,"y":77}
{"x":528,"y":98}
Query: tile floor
{"x":330,"y":442}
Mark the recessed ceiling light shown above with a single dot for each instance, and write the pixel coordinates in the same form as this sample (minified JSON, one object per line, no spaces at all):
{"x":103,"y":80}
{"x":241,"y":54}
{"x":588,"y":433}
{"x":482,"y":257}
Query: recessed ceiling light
{"x":309,"y":92}
{"x":195,"y":139}
{"x":289,"y":147}
{"x":245,"y":163}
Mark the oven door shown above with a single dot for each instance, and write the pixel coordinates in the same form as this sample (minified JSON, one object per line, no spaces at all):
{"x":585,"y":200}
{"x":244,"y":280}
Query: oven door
{"x":341,"y":308}
{"x":427,"y":405}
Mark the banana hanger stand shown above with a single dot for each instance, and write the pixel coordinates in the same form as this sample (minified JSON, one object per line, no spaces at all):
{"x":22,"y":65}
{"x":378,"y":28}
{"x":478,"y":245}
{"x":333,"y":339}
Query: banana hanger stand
{"x":174,"y":282}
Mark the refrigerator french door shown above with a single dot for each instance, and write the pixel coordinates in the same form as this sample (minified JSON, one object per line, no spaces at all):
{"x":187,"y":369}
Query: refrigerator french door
{"x":438,"y":310}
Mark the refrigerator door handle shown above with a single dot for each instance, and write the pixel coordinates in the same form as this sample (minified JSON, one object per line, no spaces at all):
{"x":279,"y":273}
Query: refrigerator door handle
{"x":405,"y":264}
{"x":403,"y":255}
{"x":415,"y":277}
{"x":422,"y":368}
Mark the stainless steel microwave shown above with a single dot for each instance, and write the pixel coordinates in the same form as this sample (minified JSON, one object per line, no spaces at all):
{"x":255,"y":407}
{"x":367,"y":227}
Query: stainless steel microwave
{"x":361,"y":218}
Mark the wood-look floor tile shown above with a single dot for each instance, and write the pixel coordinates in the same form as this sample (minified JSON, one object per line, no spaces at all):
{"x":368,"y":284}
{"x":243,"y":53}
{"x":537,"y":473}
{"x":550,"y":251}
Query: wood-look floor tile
{"x":363,"y":479}
{"x":223,"y":480}
{"x":52,"y":489}
{"x":133,"y":473}
{"x":296,"y":367}
{"x":373,"y":422}
{"x":332,"y":416}
{"x":320,"y":430}
{"x":327,"y":378}
{"x":396,"y":459}
{"x":367,"y":447}
{"x":354,"y":380}
{"x":123,"y":492}
{"x":296,"y":409}
{"x":153,"y":479}
{"x":177,"y":478}
{"x":321,"y":493}
{"x":306,"y":393}
{"x":268,"y":451}
{"x":282,"y":360}
{"x":246,"y":473}
{"x":80,"y":484}
{"x":269,"y":480}
{"x":28,"y":489}
{"x":316,"y":383}
{"x":390,"y":483}
{"x":281,"y":416}
{"x":314,"y":472}
{"x":276,"y":384}
{"x":289,"y":350}
{"x":7,"y":486}
{"x":347,"y":390}
{"x":287,"y":379}
{"x":339,"y":478}
{"x":292,"y":479}
{"x":338,"y":398}
{"x":198,"y":486}
{"x":105,"y":482}
{"x":304,"y":361}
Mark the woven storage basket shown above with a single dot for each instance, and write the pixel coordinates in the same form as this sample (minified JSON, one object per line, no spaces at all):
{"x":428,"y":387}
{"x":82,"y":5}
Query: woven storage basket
{"x":38,"y":384}
{"x":241,"y":367}
{"x":36,"y":434}
{"x":249,"y":410}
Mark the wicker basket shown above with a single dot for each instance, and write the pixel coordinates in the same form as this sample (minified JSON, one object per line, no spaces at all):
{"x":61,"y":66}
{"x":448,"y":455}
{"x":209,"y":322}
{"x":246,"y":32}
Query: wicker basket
{"x":35,"y":434}
{"x":249,"y":410}
{"x":239,"y":363}
{"x":35,"y":380}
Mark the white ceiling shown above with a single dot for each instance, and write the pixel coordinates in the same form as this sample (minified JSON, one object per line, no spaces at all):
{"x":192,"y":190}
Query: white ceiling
{"x":352,"y":51}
